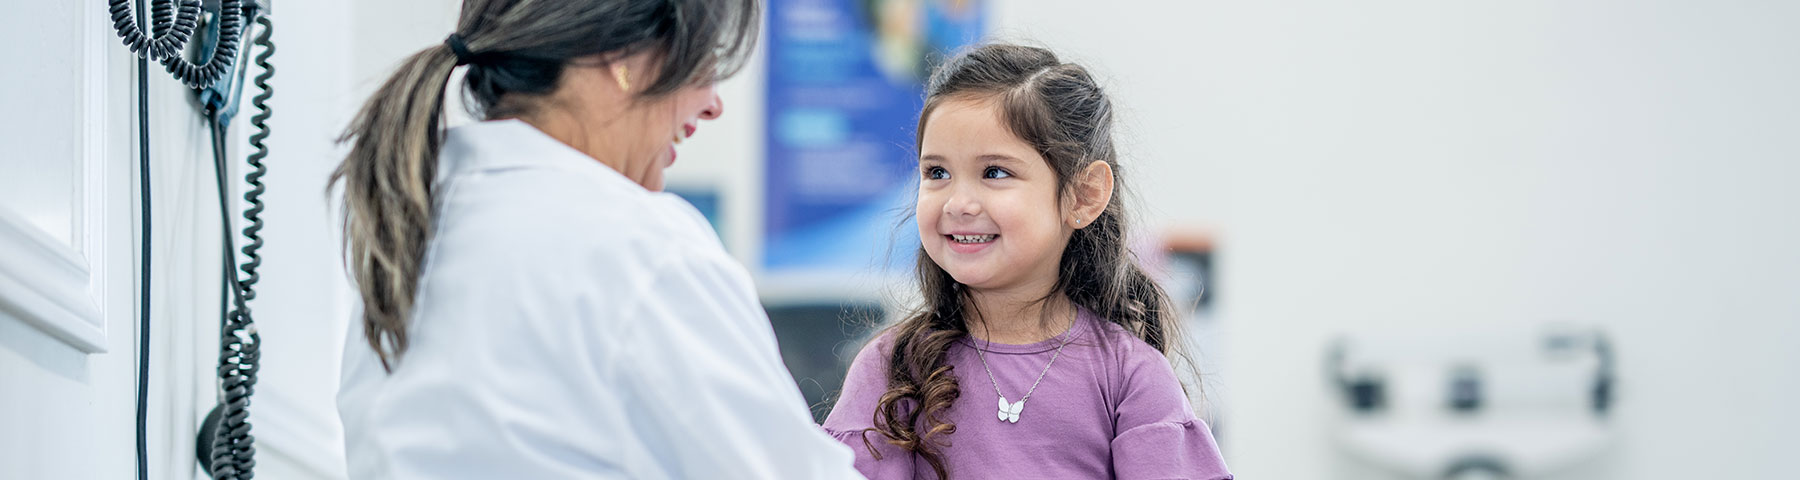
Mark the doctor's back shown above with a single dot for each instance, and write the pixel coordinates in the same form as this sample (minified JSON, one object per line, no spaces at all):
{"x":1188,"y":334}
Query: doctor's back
{"x":565,"y":320}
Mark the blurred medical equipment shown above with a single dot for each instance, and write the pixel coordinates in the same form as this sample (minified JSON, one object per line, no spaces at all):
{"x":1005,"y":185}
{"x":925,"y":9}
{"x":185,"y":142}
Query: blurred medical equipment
{"x":818,"y":339}
{"x":1473,"y":404}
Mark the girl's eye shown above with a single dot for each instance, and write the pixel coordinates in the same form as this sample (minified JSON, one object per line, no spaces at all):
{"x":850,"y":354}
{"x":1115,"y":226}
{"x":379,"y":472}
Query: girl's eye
{"x":936,"y":173}
{"x":995,"y":172}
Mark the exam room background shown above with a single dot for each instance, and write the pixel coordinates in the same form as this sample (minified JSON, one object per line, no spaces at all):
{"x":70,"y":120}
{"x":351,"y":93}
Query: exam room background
{"x":1390,"y":165}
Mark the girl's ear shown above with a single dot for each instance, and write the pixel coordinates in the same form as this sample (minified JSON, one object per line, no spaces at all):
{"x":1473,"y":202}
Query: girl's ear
{"x":1093,"y":191}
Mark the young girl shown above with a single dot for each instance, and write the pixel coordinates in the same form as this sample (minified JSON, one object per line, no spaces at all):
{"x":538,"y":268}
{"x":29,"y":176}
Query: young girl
{"x":1039,"y":350}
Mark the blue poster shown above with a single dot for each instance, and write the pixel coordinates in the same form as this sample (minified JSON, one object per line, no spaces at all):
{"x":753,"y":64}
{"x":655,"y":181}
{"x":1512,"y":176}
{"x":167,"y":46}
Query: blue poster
{"x":845,"y":85}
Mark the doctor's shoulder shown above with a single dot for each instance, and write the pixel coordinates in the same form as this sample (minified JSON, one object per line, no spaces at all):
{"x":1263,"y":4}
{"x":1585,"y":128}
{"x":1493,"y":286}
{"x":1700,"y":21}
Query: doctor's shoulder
{"x":619,"y":225}
{"x":581,"y":231}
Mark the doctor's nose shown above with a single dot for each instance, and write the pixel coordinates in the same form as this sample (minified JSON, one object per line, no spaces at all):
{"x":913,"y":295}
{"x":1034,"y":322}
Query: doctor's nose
{"x":713,"y":109}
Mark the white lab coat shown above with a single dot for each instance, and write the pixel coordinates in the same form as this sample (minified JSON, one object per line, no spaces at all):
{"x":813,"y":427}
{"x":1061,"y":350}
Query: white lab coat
{"x":571,"y":324}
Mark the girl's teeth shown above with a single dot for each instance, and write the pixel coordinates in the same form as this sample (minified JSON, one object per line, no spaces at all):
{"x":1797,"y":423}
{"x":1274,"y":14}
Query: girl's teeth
{"x":973,"y":238}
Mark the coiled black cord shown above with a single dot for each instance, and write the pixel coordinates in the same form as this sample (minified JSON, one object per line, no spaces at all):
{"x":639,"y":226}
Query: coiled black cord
{"x":234,"y":450}
{"x":175,"y":31}
{"x":176,"y":23}
{"x":231,"y":450}
{"x":260,"y":120}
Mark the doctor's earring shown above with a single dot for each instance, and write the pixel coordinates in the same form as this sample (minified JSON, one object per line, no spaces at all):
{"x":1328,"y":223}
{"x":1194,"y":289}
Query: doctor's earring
{"x":620,"y":74}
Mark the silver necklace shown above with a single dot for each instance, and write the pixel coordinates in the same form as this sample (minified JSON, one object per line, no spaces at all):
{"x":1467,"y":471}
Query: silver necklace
{"x":1009,"y":412}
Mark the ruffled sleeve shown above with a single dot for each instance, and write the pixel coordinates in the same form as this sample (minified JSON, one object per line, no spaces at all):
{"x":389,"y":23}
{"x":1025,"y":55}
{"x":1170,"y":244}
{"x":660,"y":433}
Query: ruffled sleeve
{"x":852,"y":419}
{"x":1156,"y":435}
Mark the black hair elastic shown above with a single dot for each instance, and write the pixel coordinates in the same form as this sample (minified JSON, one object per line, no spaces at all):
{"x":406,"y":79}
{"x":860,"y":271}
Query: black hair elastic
{"x":463,"y":55}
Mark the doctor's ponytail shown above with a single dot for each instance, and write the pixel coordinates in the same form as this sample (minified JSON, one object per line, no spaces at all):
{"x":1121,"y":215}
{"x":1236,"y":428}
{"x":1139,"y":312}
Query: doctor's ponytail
{"x":516,"y":51}
{"x":387,"y":180}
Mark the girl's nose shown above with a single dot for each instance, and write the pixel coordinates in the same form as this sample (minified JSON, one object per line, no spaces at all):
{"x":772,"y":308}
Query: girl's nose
{"x":962,"y":202}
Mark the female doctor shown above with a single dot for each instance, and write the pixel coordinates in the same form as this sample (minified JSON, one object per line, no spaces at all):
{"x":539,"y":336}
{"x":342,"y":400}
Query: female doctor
{"x":532,"y":307}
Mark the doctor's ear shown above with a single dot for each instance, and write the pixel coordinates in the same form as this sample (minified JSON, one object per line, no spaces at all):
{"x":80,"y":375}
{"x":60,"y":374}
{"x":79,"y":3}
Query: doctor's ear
{"x":1093,"y":190}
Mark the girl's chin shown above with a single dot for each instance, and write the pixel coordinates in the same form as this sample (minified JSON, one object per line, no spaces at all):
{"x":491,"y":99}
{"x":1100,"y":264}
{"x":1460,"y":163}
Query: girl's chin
{"x":972,"y":279}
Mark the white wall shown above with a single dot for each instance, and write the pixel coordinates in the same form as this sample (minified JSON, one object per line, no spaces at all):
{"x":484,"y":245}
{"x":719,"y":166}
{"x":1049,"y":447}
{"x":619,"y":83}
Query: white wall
{"x":1402,"y":164}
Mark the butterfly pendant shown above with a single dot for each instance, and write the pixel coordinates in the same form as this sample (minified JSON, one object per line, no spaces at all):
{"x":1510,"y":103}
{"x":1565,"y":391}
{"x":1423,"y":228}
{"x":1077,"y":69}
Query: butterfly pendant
{"x":1009,"y":412}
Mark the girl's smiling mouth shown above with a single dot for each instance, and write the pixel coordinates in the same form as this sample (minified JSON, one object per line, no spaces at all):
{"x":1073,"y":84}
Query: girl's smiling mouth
{"x":970,"y":243}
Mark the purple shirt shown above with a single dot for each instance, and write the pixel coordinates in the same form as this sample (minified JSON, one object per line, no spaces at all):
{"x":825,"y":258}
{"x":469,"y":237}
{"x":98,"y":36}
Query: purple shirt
{"x":1110,"y":407}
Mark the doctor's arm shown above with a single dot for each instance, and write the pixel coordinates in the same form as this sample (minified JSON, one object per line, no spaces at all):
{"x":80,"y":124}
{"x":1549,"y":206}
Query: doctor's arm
{"x":715,"y":398}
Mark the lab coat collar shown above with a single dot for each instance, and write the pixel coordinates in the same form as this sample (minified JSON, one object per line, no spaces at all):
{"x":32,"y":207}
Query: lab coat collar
{"x":511,"y":144}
